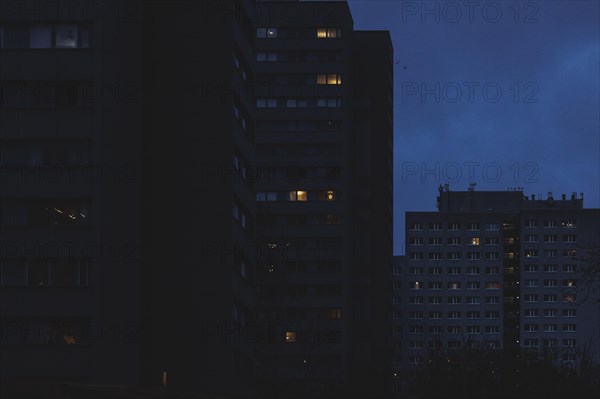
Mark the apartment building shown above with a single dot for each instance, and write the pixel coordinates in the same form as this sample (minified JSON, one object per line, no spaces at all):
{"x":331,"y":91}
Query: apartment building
{"x":499,"y":270}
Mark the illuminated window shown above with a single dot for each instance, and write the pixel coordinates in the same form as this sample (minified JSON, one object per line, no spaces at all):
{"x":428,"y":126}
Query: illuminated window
{"x":329,"y":79}
{"x":330,"y":196}
{"x":290,"y":336}
{"x":329,"y":33}
{"x":66,"y":36}
{"x":475,"y":241}
{"x":298,"y":195}
{"x":454,"y":285}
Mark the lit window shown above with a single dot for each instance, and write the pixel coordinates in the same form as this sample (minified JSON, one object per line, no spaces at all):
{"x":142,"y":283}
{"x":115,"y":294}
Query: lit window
{"x":290,"y":336}
{"x":475,"y":241}
{"x":329,"y":79}
{"x":66,"y":36}
{"x":330,"y":196}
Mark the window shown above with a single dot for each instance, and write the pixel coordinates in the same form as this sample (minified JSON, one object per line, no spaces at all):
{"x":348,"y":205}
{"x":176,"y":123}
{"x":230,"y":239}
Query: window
{"x":531,"y":313}
{"x":550,"y":268}
{"x":415,"y":329}
{"x":549,"y":238}
{"x":415,"y":285}
{"x":454,"y":226}
{"x":435,"y":241}
{"x":329,"y":79}
{"x":453,"y":241}
{"x":491,"y":255}
{"x":530,"y":327}
{"x":453,"y":255}
{"x":570,"y":342}
{"x":531,"y":283}
{"x":266,"y":33}
{"x":531,"y":268}
{"x":531,"y":253}
{"x":492,"y":329}
{"x":550,"y":312}
{"x":435,"y":271}
{"x":40,"y":36}
{"x":415,"y":270}
{"x":396,"y":270}
{"x":473,"y":285}
{"x":569,"y":223}
{"x":550,"y":297}
{"x":290,"y":336}
{"x":549,"y":223}
{"x":415,"y":255}
{"x":550,"y":253}
{"x":454,"y":300}
{"x":569,"y":312}
{"x":415,"y":226}
{"x":473,"y":315}
{"x":550,"y":343}
{"x":473,"y":227}
{"x":531,"y":223}
{"x":531,"y":238}
{"x":453,"y":329}
{"x":569,"y":268}
{"x":329,"y":33}
{"x":435,"y":285}
{"x":473,"y":270}
{"x":436,"y":330}
{"x":415,"y":344}
{"x":435,"y":315}
{"x":550,"y":283}
{"x":435,"y":256}
{"x":453,"y":271}
{"x":416,"y":240}
{"x":473,"y":330}
{"x":492,"y":227}
{"x":491,"y":241}
{"x":569,"y":298}
{"x":454,"y":315}
{"x":473,"y":300}
{"x":492,"y":300}
{"x":66,"y":36}
{"x":415,"y":300}
{"x":492,"y":285}
{"x":298,"y":195}
{"x":473,"y":255}
{"x":569,"y":253}
{"x":415,"y":315}
{"x":492,"y":314}
{"x":330,"y":102}
{"x":570,"y":238}
{"x":550,"y":328}
{"x":531,"y":343}
{"x":396,"y":300}
{"x":435,"y":300}
{"x":435,"y":226}
{"x":531,"y":298}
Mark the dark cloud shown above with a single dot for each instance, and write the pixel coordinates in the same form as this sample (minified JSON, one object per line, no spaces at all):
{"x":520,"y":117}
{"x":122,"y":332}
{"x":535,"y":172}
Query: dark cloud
{"x":541,"y":133}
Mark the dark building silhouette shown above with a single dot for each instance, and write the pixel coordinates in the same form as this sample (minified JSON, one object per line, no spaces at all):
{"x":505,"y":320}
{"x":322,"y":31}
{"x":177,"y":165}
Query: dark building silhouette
{"x":324,"y":210}
{"x":197,"y":196}
{"x":498,"y":270}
